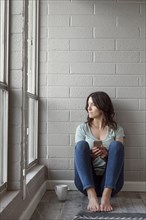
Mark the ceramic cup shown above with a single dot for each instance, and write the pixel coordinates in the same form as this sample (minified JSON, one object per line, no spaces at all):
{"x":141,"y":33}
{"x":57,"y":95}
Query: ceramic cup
{"x":61,"y":192}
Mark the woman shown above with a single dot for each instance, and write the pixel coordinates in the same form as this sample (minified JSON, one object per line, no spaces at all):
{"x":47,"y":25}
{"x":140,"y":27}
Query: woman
{"x":99,"y":166}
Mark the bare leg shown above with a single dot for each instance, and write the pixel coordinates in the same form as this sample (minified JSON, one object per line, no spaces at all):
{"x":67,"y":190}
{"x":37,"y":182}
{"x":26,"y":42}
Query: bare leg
{"x":93,"y":204}
{"x":105,"y":200}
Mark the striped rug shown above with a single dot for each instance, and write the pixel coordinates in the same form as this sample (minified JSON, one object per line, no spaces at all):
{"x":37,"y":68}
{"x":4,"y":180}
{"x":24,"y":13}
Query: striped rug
{"x":109,"y":216}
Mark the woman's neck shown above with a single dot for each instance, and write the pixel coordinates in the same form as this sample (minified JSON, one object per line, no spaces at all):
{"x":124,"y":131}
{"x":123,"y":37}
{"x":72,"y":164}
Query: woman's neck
{"x":98,"y":129}
{"x":98,"y":123}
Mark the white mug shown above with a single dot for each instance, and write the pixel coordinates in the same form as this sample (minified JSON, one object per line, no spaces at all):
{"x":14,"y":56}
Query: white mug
{"x":61,"y":192}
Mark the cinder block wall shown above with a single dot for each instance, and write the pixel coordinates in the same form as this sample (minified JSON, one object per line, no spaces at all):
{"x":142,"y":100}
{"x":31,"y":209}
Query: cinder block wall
{"x":87,"y":46}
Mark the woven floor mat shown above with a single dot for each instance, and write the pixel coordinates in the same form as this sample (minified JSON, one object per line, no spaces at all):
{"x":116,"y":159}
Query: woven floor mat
{"x":102,"y":215}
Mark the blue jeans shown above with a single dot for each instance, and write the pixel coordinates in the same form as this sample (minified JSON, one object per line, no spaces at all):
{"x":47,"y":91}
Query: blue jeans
{"x":85,"y":176}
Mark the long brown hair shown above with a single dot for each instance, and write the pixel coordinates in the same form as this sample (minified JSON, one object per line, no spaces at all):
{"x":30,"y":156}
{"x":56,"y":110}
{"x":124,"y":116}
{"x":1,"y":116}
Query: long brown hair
{"x":103,"y":102}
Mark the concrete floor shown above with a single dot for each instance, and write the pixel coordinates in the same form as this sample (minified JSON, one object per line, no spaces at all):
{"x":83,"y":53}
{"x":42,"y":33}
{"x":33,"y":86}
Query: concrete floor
{"x":50,"y":208}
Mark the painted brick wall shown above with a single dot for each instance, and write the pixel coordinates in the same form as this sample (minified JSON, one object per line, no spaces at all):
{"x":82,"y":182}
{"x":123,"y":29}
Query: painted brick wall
{"x":87,"y":46}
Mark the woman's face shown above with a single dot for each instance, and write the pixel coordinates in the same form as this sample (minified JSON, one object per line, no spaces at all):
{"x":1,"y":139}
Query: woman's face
{"x":93,"y":111}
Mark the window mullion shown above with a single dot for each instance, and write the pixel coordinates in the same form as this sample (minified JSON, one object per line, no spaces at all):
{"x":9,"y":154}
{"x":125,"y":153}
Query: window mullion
{"x":2,"y":34}
{"x":32,"y":91}
{"x":4,"y":47}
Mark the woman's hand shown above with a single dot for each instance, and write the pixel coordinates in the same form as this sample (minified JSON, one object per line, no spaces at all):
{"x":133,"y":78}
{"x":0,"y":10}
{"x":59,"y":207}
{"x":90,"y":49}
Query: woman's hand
{"x":99,"y":152}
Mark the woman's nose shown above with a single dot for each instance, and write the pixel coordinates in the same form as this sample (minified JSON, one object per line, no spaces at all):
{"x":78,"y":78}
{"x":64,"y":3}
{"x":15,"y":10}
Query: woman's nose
{"x":89,"y":107}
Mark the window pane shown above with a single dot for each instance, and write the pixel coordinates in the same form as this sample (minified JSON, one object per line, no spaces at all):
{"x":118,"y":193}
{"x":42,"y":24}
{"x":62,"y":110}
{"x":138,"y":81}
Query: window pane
{"x":32,"y":80}
{"x":32,"y":47}
{"x":32,"y":130}
{"x":2,"y":41}
{"x":4,"y":24}
{"x":3,"y":135}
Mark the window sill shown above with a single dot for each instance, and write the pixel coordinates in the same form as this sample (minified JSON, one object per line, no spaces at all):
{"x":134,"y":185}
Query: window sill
{"x":7,"y":197}
{"x":33,"y":172}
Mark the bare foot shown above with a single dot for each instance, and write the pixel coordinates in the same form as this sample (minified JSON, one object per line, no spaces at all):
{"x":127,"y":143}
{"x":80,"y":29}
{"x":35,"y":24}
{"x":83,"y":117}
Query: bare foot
{"x":105,"y":201}
{"x":105,"y":205}
{"x":93,"y":204}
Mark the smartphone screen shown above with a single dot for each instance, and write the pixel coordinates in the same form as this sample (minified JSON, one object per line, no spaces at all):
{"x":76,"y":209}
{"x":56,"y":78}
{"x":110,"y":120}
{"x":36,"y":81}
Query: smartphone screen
{"x":97,"y":143}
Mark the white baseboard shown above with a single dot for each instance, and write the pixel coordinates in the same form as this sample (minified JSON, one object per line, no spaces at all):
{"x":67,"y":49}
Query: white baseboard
{"x":51,"y":184}
{"x":33,"y":204}
{"x":128,"y":186}
{"x":135,"y":186}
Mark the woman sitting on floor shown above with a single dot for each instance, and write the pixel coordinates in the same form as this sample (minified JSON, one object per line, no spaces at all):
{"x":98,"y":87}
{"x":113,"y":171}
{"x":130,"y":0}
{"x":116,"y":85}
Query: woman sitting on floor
{"x":99,"y":153}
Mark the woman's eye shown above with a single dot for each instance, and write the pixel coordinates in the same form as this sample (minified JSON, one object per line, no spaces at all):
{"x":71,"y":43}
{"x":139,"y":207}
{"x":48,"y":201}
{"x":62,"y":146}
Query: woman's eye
{"x":91,"y":104}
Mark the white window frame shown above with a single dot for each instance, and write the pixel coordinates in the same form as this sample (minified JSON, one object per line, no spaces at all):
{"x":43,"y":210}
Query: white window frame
{"x":32,"y":82}
{"x":33,"y":24}
{"x":4,"y":46}
{"x":32,"y":153}
{"x":4,"y":33}
{"x":3,"y":136}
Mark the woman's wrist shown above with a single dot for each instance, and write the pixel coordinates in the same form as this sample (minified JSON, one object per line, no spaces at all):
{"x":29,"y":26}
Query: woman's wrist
{"x":104,"y":156}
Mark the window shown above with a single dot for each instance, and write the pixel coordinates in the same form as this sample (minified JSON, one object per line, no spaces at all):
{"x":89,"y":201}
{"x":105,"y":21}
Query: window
{"x":33,"y":129}
{"x":32,"y":81}
{"x":4,"y":14}
{"x":3,"y":135}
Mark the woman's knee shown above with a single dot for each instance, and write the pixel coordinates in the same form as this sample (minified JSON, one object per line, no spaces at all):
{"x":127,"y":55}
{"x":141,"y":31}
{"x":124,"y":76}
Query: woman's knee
{"x":82,"y":146}
{"x":117,"y":146}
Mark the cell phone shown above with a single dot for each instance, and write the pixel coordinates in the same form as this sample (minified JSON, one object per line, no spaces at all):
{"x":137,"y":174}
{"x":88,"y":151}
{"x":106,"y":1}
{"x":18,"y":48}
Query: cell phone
{"x":97,"y":143}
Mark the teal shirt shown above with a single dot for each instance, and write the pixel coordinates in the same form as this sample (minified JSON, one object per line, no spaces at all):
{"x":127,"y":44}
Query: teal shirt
{"x":83,"y":132}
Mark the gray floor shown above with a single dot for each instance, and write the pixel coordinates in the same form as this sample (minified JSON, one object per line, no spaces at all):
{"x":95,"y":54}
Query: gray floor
{"x":50,"y":208}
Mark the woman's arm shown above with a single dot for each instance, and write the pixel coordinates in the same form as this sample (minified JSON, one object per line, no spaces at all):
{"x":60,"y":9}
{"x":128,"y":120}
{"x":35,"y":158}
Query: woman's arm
{"x":80,"y":134}
{"x":120,"y":140}
{"x":119,"y":135}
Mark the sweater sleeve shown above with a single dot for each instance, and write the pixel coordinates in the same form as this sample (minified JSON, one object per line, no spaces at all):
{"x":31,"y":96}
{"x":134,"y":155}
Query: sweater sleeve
{"x":80,"y":133}
{"x":119,"y":132}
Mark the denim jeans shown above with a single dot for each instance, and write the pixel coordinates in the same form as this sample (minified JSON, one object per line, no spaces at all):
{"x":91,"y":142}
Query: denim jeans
{"x":85,"y":176}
